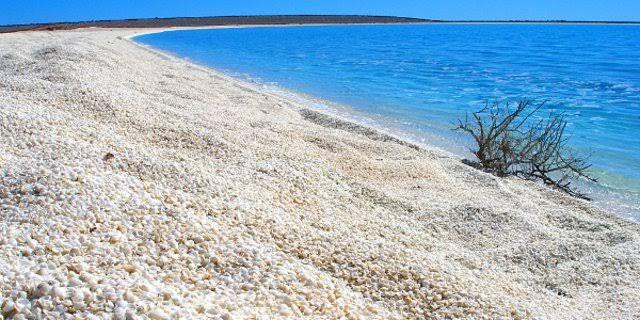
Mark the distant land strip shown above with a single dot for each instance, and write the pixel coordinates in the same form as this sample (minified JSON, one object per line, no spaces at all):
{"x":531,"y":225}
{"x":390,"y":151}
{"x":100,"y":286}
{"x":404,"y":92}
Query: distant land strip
{"x":262,"y":20}
{"x":213,"y":21}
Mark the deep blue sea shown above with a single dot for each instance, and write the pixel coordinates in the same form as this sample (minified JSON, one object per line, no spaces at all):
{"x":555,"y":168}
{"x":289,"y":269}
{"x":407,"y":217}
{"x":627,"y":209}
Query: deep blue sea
{"x":415,"y":80}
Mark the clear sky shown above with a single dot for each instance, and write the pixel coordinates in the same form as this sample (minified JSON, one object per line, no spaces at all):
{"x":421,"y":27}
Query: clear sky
{"x":29,"y":11}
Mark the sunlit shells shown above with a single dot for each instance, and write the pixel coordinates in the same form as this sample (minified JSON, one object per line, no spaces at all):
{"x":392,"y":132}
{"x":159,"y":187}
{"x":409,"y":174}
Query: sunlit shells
{"x":139,"y":186}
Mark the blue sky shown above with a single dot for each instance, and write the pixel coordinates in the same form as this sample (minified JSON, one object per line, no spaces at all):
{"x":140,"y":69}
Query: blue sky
{"x":28,"y":11}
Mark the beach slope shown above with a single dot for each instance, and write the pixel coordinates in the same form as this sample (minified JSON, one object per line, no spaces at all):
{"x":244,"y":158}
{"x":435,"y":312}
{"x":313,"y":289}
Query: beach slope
{"x":135,"y":185}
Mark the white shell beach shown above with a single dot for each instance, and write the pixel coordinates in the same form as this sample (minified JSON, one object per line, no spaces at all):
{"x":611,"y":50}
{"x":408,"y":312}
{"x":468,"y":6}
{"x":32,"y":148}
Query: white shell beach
{"x":136,"y":185}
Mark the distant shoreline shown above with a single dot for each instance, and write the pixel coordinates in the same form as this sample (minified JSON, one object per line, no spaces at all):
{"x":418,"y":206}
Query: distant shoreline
{"x":273,"y":20}
{"x":633,"y":23}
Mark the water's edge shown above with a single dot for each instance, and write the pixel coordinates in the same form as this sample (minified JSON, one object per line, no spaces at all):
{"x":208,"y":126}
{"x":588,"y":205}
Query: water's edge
{"x":343,"y":113}
{"x":300,"y":99}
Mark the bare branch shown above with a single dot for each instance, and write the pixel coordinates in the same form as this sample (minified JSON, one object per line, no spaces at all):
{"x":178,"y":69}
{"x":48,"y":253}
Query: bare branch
{"x":509,"y":142}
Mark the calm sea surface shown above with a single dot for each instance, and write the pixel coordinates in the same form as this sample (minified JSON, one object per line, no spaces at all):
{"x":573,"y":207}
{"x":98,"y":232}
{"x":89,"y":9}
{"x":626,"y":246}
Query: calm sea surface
{"x":416,"y":80}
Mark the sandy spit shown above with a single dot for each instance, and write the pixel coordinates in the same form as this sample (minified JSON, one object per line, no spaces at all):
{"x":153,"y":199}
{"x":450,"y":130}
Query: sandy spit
{"x":134,"y":185}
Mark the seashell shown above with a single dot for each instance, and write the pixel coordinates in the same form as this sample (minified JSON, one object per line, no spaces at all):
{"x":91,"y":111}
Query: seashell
{"x":59,"y":292}
{"x":42,"y":290}
{"x":130,"y":315}
{"x":130,"y":297}
{"x":88,"y":278}
{"x":7,"y":308}
{"x":119,"y":313}
{"x":157,"y":315}
{"x":130,"y":268}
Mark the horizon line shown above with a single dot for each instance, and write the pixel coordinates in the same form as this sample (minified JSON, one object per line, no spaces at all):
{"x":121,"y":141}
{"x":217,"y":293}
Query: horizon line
{"x":417,"y":20}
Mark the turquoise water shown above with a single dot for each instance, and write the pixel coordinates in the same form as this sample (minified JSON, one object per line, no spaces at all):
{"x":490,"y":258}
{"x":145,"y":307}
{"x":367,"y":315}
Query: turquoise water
{"x":416,"y":80}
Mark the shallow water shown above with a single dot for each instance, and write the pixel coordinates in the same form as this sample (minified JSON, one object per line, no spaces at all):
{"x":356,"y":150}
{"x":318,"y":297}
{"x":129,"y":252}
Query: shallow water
{"x":416,"y":80}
